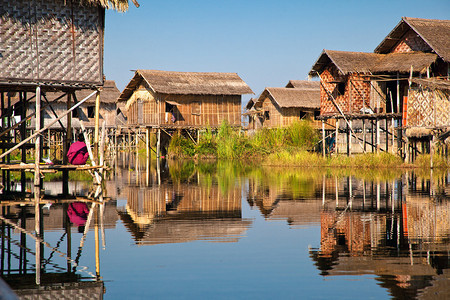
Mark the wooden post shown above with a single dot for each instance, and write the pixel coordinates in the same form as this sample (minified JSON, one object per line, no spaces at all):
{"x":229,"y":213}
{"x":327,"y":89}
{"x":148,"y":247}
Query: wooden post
{"x":158,"y":143}
{"x":387,"y":134}
{"x":364,"y":134}
{"x":37,"y":149}
{"x":68,"y":136}
{"x":23,"y":135}
{"x":431,"y":152}
{"x":336,"y":137}
{"x":378,"y":134}
{"x":393,"y":135}
{"x":350,"y":137}
{"x":147,"y":142}
{"x":323,"y":139}
{"x":97,"y":124}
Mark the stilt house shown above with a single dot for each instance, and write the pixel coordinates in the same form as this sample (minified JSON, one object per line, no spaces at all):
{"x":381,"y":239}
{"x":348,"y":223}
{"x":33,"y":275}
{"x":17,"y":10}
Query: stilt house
{"x":183,"y":100}
{"x":48,"y":46}
{"x":374,"y":87}
{"x":280,"y":107}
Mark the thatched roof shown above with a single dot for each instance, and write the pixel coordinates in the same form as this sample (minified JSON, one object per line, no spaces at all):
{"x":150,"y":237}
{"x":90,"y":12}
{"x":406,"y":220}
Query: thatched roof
{"x":187,"y":83}
{"x":109,"y":94}
{"x":362,"y":62}
{"x":436,"y":33}
{"x":119,"y":5}
{"x":303,"y":84}
{"x":433,"y":83}
{"x":289,"y":97}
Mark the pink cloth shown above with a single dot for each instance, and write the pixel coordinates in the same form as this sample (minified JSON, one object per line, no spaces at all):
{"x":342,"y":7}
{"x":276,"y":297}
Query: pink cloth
{"x":78,"y":213}
{"x":78,"y":153}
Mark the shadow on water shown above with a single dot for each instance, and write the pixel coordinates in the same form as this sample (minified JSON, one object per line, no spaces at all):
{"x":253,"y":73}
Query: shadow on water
{"x":393,"y":225}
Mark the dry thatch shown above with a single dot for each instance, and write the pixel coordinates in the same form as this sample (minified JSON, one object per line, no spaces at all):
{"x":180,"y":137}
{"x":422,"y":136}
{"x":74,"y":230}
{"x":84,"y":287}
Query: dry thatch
{"x":433,"y":83}
{"x":435,"y":33}
{"x":187,"y":83}
{"x":295,"y":98}
{"x":119,"y":5}
{"x":362,"y":62}
{"x":303,"y":84}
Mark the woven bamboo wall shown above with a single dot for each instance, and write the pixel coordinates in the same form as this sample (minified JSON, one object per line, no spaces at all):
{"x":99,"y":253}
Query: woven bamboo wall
{"x":284,"y":117}
{"x":428,"y":108}
{"x":195,"y":111}
{"x":51,"y":41}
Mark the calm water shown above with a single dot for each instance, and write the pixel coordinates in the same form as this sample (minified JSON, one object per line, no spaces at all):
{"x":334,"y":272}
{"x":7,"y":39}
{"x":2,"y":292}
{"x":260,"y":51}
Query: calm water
{"x":227,"y":231}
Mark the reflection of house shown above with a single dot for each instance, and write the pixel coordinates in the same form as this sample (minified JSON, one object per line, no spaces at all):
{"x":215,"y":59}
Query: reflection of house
{"x":181,"y":213}
{"x":280,"y":107}
{"x":407,"y":250}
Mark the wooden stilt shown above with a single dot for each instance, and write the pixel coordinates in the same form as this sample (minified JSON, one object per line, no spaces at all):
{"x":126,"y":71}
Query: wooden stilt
{"x":323,"y":139}
{"x":337,"y":137}
{"x":364,"y":134}
{"x":97,"y":124}
{"x":350,"y":137}
{"x":158,"y":143}
{"x":387,"y":134}
{"x":147,"y":142}
{"x":66,"y":141}
{"x":378,"y":134}
{"x":37,"y":159}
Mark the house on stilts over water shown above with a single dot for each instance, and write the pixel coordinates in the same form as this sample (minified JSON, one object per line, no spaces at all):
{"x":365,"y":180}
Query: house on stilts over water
{"x":278,"y":107}
{"x":163,"y":102}
{"x":395,"y":99}
{"x":48,"y":46}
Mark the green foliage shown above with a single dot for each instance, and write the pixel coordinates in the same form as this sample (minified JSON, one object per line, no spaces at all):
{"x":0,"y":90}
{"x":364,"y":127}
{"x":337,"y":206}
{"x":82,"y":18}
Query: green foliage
{"x":180,"y":146}
{"x":301,"y":134}
{"x":367,"y":160}
{"x":207,"y":144}
{"x":424,"y":161}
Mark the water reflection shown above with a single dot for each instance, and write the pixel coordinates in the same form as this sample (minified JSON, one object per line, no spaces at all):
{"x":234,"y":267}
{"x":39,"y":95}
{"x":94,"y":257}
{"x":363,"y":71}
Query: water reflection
{"x":396,"y":230}
{"x":181,"y":204}
{"x":43,"y":236}
{"x":393,"y":226}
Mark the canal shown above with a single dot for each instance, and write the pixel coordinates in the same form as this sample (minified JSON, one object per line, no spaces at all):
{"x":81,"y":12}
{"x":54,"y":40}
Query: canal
{"x":222,"y":230}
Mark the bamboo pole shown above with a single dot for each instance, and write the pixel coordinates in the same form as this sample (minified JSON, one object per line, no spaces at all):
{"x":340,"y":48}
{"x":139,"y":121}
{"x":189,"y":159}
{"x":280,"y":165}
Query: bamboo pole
{"x":97,"y":122}
{"x":37,"y":158}
{"x":37,"y":132}
{"x":323,"y":139}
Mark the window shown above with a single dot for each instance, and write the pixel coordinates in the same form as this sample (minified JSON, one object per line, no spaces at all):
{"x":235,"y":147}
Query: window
{"x":75,"y":113}
{"x":196,"y":108}
{"x":341,"y":88}
{"x":302,"y":114}
{"x":316,"y":114}
{"x":91,"y":111}
{"x":266,"y":115}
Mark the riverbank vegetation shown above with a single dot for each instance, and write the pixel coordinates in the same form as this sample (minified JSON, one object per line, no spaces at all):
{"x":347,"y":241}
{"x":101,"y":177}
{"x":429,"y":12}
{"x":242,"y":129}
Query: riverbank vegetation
{"x":296,"y":145}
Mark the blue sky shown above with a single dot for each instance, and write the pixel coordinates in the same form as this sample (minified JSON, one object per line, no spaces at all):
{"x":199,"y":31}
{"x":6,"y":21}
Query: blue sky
{"x":266,"y":42}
